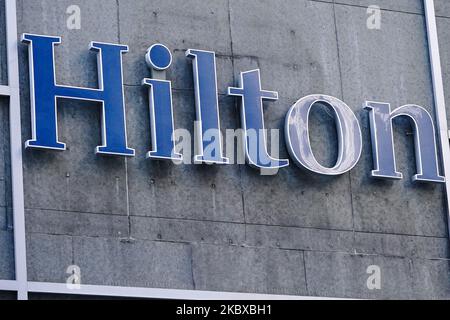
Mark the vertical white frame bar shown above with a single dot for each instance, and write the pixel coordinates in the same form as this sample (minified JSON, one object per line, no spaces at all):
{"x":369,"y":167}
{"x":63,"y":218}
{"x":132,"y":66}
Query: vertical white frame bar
{"x":439,"y":96}
{"x":16,"y":150}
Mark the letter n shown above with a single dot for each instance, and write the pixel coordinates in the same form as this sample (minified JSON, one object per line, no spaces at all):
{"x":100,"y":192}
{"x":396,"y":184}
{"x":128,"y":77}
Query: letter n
{"x":381,"y":122}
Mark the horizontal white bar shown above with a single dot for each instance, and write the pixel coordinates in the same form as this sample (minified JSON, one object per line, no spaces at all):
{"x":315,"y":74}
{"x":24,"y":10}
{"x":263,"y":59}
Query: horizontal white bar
{"x":5,"y":91}
{"x":8,"y":285}
{"x":130,"y":292}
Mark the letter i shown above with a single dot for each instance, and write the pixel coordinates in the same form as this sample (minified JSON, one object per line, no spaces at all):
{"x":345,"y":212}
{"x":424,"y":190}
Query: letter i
{"x":159,"y":58}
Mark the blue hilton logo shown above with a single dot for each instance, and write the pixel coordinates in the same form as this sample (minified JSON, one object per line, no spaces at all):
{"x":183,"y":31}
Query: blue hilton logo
{"x":209,"y":142}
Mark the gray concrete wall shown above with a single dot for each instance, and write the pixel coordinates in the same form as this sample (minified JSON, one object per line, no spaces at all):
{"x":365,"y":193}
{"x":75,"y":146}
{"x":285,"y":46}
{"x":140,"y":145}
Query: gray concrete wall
{"x":227,"y":228}
{"x":6,"y":225}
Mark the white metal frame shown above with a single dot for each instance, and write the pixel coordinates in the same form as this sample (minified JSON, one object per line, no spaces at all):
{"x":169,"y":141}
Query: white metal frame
{"x":439,"y":96}
{"x":13,"y":91}
{"x":22,"y":286}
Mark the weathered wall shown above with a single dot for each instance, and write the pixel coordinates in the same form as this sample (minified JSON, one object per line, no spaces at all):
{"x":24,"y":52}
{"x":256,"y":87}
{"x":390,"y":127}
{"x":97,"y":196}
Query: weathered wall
{"x":227,"y":228}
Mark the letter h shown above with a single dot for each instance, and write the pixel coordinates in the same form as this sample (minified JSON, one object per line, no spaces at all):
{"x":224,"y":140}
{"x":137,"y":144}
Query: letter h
{"x":45,"y":92}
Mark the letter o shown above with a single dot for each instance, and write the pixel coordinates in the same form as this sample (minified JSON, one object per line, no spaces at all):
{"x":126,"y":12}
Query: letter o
{"x":348,"y":132}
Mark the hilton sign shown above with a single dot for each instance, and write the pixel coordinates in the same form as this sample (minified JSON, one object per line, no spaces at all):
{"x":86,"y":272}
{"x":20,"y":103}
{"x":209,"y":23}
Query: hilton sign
{"x":45,"y":93}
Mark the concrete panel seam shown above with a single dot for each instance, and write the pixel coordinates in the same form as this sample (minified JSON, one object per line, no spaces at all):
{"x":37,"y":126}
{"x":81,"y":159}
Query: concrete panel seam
{"x":304,"y":271}
{"x":239,"y":223}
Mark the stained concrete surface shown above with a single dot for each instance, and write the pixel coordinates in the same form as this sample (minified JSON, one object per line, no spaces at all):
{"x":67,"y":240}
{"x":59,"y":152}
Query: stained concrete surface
{"x":153,"y":224}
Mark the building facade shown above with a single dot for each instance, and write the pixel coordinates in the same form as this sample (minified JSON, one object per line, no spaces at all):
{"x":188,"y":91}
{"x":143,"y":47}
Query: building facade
{"x":113,"y":224}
